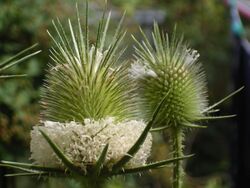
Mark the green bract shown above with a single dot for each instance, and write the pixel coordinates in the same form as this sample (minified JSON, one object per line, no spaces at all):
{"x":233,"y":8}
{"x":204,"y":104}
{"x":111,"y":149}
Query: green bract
{"x":14,"y":60}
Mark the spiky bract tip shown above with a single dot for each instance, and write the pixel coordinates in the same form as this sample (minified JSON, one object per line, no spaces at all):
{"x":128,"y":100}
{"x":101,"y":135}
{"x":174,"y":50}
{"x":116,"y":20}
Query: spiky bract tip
{"x":169,"y":67}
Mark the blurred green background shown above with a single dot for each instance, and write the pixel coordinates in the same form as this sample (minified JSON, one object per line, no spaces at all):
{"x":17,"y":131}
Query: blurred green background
{"x":205,"y":24}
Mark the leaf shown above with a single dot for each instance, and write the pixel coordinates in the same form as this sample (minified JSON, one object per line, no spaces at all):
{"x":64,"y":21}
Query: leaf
{"x":133,"y":150}
{"x":8,"y":64}
{"x":29,"y":166}
{"x":37,"y":174}
{"x":155,"y":165}
{"x":100,"y":161}
{"x":18,"y":168}
{"x":191,"y":125}
{"x":29,"y":174}
{"x":215,"y":117}
{"x":13,"y":76}
{"x":222,"y":100}
{"x":61,"y":156}
{"x":8,"y":61}
{"x":159,"y":128}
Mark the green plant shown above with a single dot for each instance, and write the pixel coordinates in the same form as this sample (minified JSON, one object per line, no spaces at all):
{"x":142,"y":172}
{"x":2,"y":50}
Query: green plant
{"x":88,"y":130}
{"x":88,"y":103}
{"x":169,"y":68}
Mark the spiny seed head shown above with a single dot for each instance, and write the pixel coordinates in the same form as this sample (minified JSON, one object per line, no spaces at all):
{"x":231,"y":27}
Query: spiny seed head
{"x":85,"y":80}
{"x":175,"y":72}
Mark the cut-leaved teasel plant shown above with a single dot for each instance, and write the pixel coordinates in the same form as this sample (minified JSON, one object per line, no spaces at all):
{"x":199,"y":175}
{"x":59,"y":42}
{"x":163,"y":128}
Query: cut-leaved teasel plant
{"x":169,"y":68}
{"x":88,"y":129}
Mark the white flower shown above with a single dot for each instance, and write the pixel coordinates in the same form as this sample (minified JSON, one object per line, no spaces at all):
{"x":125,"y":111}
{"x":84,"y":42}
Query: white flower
{"x":192,"y":55}
{"x":83,"y":144}
{"x":138,"y":70}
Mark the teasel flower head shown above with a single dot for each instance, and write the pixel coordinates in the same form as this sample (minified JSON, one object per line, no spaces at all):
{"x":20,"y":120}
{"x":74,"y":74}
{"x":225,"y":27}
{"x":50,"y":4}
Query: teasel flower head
{"x":83,"y":143}
{"x":169,"y":67}
{"x":86,"y":80}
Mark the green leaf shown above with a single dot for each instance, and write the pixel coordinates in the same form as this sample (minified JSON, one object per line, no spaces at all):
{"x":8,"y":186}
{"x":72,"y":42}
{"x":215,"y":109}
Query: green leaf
{"x":133,"y":150}
{"x":13,"y":76}
{"x":40,"y":174}
{"x":18,"y":168}
{"x":30,"y":166}
{"x":215,"y":117}
{"x":191,"y":125}
{"x":155,"y":165}
{"x":222,"y":100}
{"x":8,"y":64}
{"x":18,"y":55}
{"x":159,"y":128}
{"x":61,"y":156}
{"x":100,"y":161}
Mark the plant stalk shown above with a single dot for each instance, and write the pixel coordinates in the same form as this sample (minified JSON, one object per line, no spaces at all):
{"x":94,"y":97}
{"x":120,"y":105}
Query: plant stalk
{"x":92,"y":182}
{"x":178,"y":171}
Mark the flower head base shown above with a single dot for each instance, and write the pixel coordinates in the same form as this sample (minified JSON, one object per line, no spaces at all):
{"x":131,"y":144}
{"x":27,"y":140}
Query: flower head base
{"x":83,"y":144}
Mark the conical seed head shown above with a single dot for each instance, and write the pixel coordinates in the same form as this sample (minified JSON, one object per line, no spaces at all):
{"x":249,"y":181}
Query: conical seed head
{"x":177,"y":74}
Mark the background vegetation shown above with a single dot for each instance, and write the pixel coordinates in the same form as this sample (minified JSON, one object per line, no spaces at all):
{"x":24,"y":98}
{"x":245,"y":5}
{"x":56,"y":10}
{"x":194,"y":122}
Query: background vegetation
{"x":204,"y":23}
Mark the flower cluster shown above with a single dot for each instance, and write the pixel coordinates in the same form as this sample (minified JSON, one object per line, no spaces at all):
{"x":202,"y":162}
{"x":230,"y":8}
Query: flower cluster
{"x":83,"y":144}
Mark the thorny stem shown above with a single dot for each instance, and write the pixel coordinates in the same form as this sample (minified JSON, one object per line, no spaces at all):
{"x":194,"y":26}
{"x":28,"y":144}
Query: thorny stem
{"x":178,"y":171}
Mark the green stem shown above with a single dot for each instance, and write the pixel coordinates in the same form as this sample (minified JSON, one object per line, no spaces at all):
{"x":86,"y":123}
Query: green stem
{"x":92,"y":183}
{"x":178,"y":171}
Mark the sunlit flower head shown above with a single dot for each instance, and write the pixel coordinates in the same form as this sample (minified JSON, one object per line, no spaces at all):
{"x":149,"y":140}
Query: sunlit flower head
{"x":83,"y":144}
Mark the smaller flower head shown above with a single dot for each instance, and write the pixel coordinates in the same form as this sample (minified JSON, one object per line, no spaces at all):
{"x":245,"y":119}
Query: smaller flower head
{"x":176,"y":73}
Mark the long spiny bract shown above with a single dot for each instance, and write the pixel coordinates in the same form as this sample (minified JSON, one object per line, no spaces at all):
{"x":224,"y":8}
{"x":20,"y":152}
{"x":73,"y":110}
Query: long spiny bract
{"x":85,"y":80}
